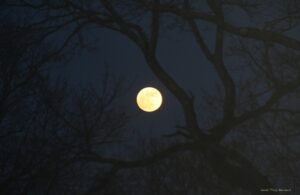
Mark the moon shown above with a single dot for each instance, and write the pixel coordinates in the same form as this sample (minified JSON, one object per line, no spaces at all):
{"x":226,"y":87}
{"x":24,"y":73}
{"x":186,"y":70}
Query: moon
{"x":149,"y":99}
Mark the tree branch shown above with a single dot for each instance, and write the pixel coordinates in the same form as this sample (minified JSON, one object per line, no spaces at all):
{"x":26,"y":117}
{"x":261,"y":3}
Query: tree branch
{"x":247,"y":32}
{"x":220,"y":130}
{"x":216,"y":59}
{"x":155,"y":21}
{"x":126,"y":164}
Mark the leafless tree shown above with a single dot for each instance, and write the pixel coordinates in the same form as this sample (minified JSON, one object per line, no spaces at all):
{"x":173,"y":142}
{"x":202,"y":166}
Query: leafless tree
{"x":255,"y":58}
{"x":45,"y":129}
{"x":21,"y":64}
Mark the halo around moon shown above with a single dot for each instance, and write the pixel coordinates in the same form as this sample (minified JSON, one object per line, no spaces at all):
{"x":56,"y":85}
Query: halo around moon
{"x":149,"y":99}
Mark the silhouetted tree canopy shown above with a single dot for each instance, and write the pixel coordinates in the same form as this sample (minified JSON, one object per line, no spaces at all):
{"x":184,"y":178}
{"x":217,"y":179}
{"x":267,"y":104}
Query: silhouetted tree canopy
{"x":56,"y":141}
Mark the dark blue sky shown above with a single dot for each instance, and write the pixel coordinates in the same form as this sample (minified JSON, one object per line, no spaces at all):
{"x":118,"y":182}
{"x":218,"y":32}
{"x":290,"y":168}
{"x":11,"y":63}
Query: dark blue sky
{"x":178,"y":54}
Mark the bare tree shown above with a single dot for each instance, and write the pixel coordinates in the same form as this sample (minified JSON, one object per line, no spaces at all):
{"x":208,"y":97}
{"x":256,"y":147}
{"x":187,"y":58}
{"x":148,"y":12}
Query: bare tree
{"x":264,"y":89}
{"x":21,"y":64}
{"x":46,"y":130}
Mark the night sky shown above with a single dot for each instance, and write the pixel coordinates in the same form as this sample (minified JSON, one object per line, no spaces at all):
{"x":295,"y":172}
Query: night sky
{"x":179,"y":56}
{"x":177,"y":52}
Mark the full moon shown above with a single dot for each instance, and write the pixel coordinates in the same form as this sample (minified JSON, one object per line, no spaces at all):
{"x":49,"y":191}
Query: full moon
{"x":149,"y":99}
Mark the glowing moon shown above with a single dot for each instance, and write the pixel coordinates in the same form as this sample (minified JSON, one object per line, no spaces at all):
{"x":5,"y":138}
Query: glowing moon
{"x":149,"y":99}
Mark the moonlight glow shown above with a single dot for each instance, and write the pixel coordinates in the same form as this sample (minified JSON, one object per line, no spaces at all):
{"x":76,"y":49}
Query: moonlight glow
{"x":149,"y":99}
